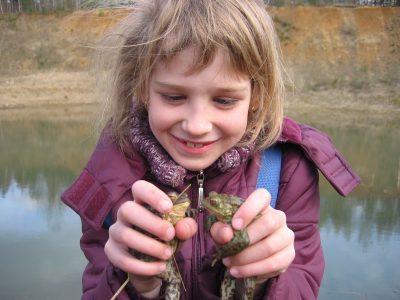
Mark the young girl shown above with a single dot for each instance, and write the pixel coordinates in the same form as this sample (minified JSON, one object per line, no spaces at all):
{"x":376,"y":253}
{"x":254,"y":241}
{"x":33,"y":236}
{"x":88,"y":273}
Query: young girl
{"x":196,"y":97}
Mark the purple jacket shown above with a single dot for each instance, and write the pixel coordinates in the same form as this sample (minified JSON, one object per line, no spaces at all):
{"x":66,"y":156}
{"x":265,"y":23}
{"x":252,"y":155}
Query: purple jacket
{"x":106,"y":181}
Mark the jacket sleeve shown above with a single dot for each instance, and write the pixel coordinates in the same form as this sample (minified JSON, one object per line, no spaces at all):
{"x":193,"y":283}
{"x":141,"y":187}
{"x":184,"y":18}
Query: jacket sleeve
{"x":102,"y":186}
{"x":92,"y":201}
{"x":299,"y":199}
{"x":100,"y":279}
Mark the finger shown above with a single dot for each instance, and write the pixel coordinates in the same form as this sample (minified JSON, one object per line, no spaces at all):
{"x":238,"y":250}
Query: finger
{"x":268,"y":267}
{"x":247,"y":212}
{"x":265,"y":248}
{"x":132,"y":239}
{"x":185,"y":228}
{"x":221,"y":233}
{"x":120,"y":258}
{"x":148,"y":193}
{"x":132,"y":213}
{"x":143,"y":284}
{"x":261,"y":279}
{"x":266,"y":224}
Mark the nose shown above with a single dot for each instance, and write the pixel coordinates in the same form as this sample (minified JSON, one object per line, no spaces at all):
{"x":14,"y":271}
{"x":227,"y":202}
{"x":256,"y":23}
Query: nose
{"x":197,"y":121}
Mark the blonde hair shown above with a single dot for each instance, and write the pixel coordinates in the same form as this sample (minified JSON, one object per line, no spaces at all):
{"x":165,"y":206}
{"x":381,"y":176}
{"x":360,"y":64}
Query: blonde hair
{"x":158,"y":29}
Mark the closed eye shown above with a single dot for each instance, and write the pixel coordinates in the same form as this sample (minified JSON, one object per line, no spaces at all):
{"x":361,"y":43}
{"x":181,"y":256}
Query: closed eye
{"x":225,"y":102}
{"x":173,"y":98}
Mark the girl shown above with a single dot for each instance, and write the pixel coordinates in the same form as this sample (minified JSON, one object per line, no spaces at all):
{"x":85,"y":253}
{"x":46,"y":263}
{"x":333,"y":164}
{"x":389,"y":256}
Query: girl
{"x":196,"y":97}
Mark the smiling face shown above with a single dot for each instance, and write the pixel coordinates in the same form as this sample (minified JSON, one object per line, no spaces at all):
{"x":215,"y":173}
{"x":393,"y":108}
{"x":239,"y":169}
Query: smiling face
{"x":197,"y":116}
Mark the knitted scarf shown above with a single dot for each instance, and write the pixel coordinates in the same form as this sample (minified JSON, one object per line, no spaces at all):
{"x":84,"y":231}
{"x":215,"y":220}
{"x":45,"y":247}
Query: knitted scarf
{"x":163,"y":167}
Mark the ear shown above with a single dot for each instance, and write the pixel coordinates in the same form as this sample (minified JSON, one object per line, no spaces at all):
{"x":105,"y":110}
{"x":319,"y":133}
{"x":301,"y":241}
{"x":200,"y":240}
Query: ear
{"x":255,"y":97}
{"x":254,"y":104}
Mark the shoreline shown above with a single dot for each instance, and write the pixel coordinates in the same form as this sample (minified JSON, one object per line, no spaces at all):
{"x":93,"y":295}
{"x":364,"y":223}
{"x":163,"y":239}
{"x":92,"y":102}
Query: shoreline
{"x":57,"y":95}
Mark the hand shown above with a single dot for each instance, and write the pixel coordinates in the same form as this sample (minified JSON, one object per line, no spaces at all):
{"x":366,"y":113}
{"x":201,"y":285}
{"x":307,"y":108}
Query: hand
{"x":271,"y":249}
{"x":123,"y":237}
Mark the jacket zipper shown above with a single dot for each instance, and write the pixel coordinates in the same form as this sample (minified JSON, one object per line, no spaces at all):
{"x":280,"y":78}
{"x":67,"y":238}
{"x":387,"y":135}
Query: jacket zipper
{"x":200,"y":181}
{"x":197,"y":240}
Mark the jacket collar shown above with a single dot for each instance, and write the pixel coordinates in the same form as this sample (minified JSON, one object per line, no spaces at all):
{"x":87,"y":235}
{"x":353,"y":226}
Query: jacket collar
{"x":319,"y":148}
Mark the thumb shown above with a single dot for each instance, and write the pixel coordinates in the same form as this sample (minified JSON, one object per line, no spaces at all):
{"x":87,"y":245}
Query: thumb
{"x":221,"y":233}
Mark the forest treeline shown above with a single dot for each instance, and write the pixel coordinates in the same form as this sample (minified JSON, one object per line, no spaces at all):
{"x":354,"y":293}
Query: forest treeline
{"x":26,"y":6}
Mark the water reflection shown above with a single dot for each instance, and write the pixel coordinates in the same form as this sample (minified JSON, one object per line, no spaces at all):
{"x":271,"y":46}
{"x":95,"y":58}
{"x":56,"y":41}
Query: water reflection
{"x":374,"y":206}
{"x":38,"y":234}
{"x":361,"y":234}
{"x":42,"y":156}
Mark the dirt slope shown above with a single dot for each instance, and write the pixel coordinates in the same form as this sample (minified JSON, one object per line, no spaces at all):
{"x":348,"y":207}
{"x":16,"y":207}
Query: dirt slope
{"x":335,"y":56}
{"x":332,"y":45}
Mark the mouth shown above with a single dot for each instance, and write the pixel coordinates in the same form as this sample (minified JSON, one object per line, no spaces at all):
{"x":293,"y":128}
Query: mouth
{"x":193,"y":145}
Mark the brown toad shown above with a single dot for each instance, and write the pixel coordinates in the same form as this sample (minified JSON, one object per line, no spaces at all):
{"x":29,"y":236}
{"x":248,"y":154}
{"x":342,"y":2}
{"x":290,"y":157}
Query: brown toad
{"x":171,"y":276}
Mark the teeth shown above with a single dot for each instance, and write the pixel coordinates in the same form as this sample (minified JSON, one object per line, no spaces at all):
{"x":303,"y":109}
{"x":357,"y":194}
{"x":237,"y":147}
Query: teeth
{"x":193,"y":145}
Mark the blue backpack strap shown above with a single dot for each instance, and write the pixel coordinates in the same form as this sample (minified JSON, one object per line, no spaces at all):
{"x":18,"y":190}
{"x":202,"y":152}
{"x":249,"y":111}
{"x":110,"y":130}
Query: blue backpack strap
{"x":270,"y":172}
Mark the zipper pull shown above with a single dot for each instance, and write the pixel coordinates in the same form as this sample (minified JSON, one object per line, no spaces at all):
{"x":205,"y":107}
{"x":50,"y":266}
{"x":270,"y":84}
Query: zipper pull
{"x":200,"y":180}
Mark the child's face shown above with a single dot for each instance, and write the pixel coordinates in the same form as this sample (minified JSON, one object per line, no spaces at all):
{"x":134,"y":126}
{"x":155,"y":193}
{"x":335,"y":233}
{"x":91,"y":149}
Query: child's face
{"x":198,"y":116}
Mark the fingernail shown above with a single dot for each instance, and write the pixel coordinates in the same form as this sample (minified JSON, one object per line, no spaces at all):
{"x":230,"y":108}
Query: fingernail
{"x":237,"y":223}
{"x":234,"y":272}
{"x":168,"y":252}
{"x":170,"y":233}
{"x":163,"y":267}
{"x":226,"y":261}
{"x":226,"y":230}
{"x":166,"y":205}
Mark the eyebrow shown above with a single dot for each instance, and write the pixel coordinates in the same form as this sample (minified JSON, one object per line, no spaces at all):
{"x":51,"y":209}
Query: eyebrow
{"x":219,"y":89}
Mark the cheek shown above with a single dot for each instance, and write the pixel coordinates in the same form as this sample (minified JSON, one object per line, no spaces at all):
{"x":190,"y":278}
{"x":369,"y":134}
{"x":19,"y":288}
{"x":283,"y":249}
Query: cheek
{"x":161,"y":118}
{"x":241,"y":127}
{"x":236,"y":124}
{"x":155,"y":111}
{"x":157,"y":121}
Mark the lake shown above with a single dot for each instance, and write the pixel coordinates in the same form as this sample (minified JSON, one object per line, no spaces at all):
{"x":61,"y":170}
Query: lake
{"x":39,"y":236}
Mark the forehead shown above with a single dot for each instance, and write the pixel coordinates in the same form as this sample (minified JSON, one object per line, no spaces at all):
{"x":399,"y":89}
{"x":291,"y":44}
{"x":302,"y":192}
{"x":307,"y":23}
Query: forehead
{"x":186,"y":64}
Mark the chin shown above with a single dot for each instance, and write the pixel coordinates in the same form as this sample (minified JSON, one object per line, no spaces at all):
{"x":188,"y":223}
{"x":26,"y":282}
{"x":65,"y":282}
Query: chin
{"x":195,"y":167}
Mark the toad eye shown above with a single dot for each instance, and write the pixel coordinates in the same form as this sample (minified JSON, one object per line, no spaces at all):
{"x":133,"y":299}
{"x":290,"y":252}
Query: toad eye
{"x":213,"y":202}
